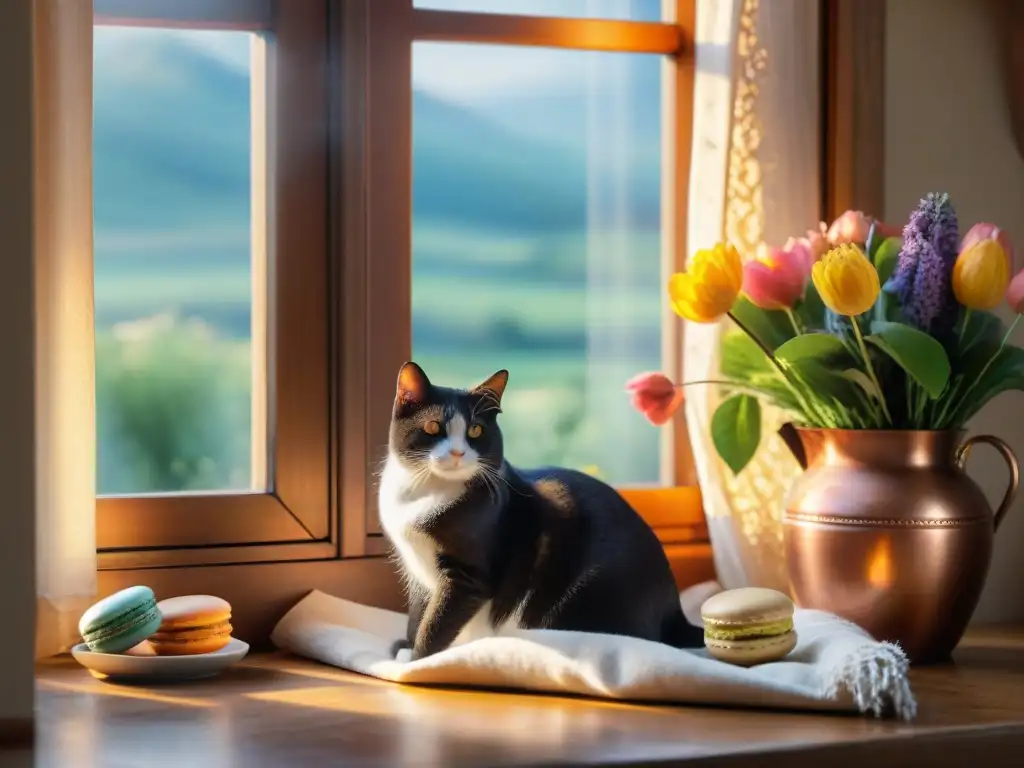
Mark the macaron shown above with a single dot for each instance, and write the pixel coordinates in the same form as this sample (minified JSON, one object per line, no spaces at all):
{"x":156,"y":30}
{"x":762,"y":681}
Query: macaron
{"x":145,"y":648}
{"x":192,"y":624}
{"x":748,"y":626}
{"x":120,"y":621}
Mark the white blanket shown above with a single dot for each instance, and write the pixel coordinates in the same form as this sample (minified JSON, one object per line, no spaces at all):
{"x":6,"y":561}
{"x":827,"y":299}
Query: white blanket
{"x":835,"y":666}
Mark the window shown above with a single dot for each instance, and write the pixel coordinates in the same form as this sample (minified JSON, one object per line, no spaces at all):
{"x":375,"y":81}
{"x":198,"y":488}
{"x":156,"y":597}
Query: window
{"x":180,"y":260}
{"x":294,"y":197}
{"x":537,"y":191}
{"x":547,"y":171}
{"x":211,"y":267}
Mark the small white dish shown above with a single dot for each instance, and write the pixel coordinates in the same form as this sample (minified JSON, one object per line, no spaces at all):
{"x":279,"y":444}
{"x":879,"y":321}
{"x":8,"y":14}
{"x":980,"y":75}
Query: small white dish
{"x":161,"y":668}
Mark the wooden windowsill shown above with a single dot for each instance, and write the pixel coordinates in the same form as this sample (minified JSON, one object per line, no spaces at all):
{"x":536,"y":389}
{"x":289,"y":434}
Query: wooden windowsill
{"x":261,"y":593}
{"x":677,"y":516}
{"x":274,"y":710}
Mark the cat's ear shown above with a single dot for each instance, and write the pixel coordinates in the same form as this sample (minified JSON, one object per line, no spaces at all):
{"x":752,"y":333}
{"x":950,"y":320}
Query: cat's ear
{"x":495,"y":385}
{"x":413,"y":385}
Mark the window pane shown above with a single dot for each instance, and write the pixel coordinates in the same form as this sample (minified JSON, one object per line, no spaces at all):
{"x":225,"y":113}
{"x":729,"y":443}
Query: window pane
{"x":536,"y":242}
{"x":174,"y":260}
{"x":630,"y":10}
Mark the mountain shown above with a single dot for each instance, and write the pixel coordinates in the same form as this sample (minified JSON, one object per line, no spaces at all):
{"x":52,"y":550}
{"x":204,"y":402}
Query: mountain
{"x":173,"y":151}
{"x":171,"y":168}
{"x":171,"y":141}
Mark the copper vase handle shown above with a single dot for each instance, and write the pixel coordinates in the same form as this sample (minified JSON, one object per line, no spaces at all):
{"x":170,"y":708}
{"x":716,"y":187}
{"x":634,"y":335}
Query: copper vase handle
{"x":1011,"y":462}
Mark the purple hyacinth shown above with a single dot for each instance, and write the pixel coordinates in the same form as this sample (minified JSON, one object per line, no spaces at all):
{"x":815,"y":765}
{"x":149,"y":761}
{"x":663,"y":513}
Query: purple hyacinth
{"x":922,"y":281}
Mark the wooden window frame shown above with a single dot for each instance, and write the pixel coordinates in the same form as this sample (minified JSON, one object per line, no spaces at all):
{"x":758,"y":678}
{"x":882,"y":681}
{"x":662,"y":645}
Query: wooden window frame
{"x":293,"y":519}
{"x":392,"y":29}
{"x":367,"y":313}
{"x":299,"y":518}
{"x":853,"y":106}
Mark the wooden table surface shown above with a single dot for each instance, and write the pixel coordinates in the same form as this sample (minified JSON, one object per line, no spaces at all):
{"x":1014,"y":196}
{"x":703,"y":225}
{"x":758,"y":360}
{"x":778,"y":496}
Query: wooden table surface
{"x":281,"y":711}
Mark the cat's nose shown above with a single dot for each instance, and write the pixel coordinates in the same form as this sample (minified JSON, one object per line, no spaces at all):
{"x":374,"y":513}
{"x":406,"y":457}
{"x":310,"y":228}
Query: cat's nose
{"x":457,"y":454}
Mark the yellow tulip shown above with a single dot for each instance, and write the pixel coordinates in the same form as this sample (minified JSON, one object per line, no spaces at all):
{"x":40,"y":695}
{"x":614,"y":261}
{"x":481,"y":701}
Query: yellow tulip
{"x":981,"y":275}
{"x":846,"y":281}
{"x":709,"y":286}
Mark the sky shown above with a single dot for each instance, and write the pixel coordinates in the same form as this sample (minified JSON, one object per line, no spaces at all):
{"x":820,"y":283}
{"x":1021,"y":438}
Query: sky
{"x":133,"y":48}
{"x":460,"y":73}
{"x":465,"y":74}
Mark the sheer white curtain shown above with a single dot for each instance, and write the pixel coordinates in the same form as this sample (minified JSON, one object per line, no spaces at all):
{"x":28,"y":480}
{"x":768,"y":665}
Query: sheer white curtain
{"x":755,"y":178}
{"x":65,"y":381}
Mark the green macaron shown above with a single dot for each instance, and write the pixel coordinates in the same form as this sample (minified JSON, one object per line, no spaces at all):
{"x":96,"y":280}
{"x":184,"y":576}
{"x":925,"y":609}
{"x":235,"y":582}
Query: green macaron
{"x":121,"y":621}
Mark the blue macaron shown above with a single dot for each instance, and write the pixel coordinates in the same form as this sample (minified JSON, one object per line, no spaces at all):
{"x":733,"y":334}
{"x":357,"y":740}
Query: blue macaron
{"x":121,"y":621}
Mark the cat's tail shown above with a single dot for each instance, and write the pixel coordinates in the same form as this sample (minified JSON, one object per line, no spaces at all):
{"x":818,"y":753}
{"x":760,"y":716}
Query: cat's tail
{"x":679,"y":633}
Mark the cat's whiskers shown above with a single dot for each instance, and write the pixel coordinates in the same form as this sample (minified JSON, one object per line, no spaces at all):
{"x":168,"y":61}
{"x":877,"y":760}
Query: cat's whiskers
{"x":496,"y":472}
{"x":382,"y":463}
{"x":487,"y":397}
{"x":421,"y":473}
{"x":493,"y":491}
{"x":491,"y":477}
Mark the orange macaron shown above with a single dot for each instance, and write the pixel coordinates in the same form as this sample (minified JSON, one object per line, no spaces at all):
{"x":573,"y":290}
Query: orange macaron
{"x":192,"y":624}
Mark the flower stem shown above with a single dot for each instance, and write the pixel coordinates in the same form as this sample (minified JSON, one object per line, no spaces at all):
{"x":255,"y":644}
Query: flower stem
{"x":1009,"y":331}
{"x":963,"y":326}
{"x":870,"y":368}
{"x":808,"y":411}
{"x":733,"y":384}
{"x":793,"y":321}
{"x":753,"y":338}
{"x":940,"y":421}
{"x":1006,"y":338}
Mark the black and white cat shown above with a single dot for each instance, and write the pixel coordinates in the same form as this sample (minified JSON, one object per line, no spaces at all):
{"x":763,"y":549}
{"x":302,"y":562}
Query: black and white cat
{"x":485,"y":546}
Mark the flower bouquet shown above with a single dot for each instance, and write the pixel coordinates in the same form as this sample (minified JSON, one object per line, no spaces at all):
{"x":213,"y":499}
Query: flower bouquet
{"x":853,"y":326}
{"x":881,"y":346}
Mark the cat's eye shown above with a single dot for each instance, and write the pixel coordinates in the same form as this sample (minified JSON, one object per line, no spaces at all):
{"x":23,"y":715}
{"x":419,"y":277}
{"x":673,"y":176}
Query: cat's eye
{"x":474,"y":431}
{"x":432,"y":428}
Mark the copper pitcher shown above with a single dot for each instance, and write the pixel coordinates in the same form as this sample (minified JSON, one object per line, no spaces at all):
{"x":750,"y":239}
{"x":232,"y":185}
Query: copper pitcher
{"x":886,"y":529}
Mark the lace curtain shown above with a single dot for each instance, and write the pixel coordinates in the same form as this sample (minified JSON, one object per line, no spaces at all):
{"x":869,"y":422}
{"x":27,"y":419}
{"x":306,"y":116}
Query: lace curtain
{"x":755,"y":178}
{"x":65,"y":383}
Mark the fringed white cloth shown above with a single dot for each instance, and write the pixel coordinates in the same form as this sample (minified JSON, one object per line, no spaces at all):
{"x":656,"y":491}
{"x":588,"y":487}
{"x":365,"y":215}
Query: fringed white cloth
{"x":836,"y":666}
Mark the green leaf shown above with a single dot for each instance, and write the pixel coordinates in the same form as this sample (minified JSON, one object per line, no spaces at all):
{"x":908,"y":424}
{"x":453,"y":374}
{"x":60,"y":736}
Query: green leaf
{"x":887,"y":309}
{"x":820,"y":347}
{"x":833,"y":397}
{"x":811,"y":310}
{"x":920,"y":355}
{"x":863,"y":381}
{"x":744,"y":362}
{"x":1005,"y":373}
{"x":771,"y":328}
{"x":742,"y":356}
{"x":815,"y":363}
{"x":886,"y":257}
{"x":985,"y":331}
{"x":736,"y":430}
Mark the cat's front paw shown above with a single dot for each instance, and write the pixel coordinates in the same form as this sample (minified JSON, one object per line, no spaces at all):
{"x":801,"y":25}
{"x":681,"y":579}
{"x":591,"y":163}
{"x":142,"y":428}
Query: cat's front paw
{"x":404,"y":655}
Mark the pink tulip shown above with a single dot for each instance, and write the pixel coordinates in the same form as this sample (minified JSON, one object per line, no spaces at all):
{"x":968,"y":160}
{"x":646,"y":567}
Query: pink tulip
{"x":986,"y":231}
{"x":776,"y":279}
{"x":815,"y":242}
{"x":855,"y":226}
{"x":851,"y":227}
{"x":1015,"y":293}
{"x":655,"y":396}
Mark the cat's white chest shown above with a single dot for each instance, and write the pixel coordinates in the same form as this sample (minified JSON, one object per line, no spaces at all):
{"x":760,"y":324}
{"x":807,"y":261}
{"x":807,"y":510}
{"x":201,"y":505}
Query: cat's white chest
{"x":403,"y":507}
